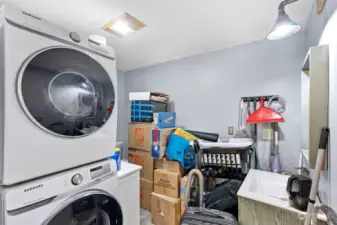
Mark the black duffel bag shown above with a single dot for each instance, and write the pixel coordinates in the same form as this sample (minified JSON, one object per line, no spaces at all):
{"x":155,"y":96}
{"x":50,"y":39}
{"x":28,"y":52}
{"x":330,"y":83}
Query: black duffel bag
{"x":224,"y":197}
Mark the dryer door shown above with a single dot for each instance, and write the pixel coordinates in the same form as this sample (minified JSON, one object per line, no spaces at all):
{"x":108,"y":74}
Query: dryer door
{"x":94,"y":208}
{"x":66,"y":92}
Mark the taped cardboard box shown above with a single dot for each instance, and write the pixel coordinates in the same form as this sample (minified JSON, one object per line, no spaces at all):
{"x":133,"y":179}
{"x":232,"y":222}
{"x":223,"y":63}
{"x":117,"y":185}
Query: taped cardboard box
{"x":167,"y":183}
{"x":143,"y":159}
{"x":165,"y":210}
{"x":146,"y":188}
{"x":146,"y":137}
{"x":183,"y":182}
{"x":182,"y":207}
{"x":173,"y":166}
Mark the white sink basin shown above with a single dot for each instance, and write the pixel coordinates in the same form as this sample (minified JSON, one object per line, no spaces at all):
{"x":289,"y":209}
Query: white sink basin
{"x":266,"y":187}
{"x":269,"y":188}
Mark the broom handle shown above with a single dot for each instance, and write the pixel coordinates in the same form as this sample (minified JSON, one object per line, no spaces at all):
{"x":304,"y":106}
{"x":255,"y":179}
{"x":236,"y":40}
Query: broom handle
{"x":241,"y":114}
{"x":318,"y":168}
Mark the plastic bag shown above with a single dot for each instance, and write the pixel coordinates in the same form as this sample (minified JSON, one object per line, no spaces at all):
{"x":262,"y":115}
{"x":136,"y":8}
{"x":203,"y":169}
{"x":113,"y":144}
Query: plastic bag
{"x":145,"y":217}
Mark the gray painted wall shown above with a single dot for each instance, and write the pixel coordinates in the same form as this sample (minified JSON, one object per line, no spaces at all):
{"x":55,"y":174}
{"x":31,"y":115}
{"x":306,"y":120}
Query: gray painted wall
{"x":206,"y":89}
{"x":316,"y":23}
{"x":315,"y":26}
{"x":122,"y":132}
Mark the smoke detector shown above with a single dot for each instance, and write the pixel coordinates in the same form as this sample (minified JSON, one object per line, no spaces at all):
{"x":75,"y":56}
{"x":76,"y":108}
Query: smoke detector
{"x":124,"y":25}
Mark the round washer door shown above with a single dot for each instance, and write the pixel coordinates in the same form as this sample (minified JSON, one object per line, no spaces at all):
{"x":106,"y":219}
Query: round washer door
{"x":66,"y":92}
{"x":94,"y":209}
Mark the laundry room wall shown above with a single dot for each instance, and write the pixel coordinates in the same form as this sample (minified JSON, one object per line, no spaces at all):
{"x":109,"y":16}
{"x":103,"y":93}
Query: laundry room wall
{"x":316,"y":23}
{"x":122,"y":132}
{"x":206,"y":89}
{"x":314,"y":30}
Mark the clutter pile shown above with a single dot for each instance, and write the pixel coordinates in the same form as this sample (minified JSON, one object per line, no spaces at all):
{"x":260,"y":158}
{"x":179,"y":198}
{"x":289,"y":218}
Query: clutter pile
{"x":151,"y":126}
{"x":167,"y":153}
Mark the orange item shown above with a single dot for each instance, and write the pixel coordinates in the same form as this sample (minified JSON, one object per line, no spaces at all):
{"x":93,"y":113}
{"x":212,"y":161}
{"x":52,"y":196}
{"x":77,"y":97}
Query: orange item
{"x":264,"y":115}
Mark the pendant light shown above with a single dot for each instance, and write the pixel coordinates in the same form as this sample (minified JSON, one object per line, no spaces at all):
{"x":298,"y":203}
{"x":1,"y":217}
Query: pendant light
{"x":284,"y":26}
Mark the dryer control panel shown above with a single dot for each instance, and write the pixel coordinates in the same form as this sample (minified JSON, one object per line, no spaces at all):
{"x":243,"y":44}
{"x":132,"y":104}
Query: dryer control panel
{"x":54,"y":185}
{"x":29,"y":21}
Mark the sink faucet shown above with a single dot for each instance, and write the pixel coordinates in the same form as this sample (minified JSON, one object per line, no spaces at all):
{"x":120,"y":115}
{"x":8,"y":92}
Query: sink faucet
{"x":303,"y":171}
{"x":329,"y":212}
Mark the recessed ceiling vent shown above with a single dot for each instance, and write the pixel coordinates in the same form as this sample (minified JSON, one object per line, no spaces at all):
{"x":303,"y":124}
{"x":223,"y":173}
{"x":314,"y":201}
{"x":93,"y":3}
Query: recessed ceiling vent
{"x":124,"y":25}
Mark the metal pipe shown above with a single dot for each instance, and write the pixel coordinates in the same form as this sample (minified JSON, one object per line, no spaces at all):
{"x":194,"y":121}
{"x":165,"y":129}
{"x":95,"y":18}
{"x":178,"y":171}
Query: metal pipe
{"x":284,"y":3}
{"x":322,"y":149}
{"x":329,"y":212}
{"x":194,"y":172}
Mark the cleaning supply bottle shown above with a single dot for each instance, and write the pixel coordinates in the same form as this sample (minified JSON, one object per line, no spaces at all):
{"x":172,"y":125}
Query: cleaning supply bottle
{"x":117,"y":158}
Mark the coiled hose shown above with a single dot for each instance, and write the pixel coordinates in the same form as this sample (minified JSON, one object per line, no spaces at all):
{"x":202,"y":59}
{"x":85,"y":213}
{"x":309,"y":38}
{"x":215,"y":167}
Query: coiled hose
{"x":281,"y":101}
{"x":329,"y":212}
{"x":191,"y":174}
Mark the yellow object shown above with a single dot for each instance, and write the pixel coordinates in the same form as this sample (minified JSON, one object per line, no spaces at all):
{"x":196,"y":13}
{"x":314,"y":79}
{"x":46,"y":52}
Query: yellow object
{"x":117,"y":149}
{"x":184,"y":134}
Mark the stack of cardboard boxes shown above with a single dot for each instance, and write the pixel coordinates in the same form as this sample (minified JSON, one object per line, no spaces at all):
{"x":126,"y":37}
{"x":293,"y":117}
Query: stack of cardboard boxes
{"x":160,"y":178}
{"x":165,"y":202}
{"x":140,"y":145}
{"x":162,"y":182}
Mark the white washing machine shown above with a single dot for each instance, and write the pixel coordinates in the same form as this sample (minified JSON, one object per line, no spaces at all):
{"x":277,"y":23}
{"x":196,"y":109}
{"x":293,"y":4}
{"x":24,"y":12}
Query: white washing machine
{"x":57,"y":98}
{"x":84,"y":196}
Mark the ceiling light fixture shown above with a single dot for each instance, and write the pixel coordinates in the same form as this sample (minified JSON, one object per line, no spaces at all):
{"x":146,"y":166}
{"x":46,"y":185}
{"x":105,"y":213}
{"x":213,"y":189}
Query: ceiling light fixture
{"x":123,"y":25}
{"x":284,"y":26}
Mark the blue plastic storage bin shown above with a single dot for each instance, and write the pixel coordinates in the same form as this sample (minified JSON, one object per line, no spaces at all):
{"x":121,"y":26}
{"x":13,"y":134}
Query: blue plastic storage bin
{"x":142,"y":111}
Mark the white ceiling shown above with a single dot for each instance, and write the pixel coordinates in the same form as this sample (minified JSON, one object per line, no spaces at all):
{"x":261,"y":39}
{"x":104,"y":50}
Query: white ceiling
{"x":175,"y":28}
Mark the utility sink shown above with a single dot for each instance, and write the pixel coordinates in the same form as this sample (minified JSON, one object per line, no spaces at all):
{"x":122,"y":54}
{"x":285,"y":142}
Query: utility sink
{"x":270,"y":190}
{"x":266,"y":187}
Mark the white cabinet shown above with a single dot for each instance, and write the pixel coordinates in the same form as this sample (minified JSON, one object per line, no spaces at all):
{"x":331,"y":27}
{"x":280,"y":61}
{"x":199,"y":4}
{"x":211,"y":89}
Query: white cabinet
{"x":128,"y":193}
{"x":314,"y":100}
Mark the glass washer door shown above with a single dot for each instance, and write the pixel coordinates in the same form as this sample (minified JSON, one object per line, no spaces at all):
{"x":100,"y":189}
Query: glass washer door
{"x":96,"y":209}
{"x":66,"y":92}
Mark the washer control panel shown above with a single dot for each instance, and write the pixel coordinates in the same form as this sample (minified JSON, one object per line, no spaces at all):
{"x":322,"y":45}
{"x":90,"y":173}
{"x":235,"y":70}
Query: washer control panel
{"x":77,"y":179}
{"x":51,"y":186}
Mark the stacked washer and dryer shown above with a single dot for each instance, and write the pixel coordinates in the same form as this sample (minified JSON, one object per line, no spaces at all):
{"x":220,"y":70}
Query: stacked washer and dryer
{"x":57,"y":126}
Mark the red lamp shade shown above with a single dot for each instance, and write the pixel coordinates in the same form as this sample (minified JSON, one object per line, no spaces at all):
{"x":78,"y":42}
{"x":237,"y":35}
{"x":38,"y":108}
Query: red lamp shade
{"x":264,"y":115}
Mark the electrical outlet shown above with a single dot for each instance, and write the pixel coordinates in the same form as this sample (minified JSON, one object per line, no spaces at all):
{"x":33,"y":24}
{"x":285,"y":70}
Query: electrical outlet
{"x":230,"y":130}
{"x":267,"y":134}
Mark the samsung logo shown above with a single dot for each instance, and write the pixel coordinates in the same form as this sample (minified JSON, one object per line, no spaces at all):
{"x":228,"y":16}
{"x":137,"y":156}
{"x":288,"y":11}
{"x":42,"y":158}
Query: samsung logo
{"x":28,"y":14}
{"x":33,"y":188}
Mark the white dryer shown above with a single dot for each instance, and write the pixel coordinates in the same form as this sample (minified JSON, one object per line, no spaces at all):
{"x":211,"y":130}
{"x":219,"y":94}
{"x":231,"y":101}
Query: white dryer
{"x":84,"y":196}
{"x":57,"y":98}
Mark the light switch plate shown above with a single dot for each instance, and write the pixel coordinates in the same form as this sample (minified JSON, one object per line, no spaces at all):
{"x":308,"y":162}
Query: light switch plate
{"x":230,"y":130}
{"x":267,"y":134}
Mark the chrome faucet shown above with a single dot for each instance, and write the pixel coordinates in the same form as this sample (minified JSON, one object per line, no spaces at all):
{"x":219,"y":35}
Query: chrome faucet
{"x":329,"y":212}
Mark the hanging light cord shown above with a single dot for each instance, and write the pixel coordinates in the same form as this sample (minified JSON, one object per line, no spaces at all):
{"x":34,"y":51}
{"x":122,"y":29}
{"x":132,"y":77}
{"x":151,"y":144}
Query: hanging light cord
{"x":284,"y":3}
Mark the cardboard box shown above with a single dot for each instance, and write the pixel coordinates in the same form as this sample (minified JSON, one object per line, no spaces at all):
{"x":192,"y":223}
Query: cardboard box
{"x":183,"y":182}
{"x":182,"y":207}
{"x":157,"y":96}
{"x":144,"y":136}
{"x":146,"y":188}
{"x":166,"y":183}
{"x":143,"y":159}
{"x":173,"y":166}
{"x":164,"y":119}
{"x":165,"y":210}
